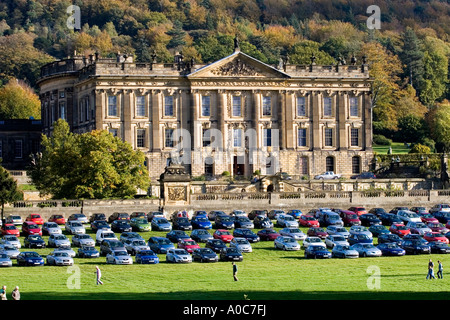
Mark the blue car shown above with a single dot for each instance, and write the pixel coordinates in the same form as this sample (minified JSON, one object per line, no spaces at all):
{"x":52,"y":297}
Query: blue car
{"x":146,"y":257}
{"x":161,"y":224}
{"x":389,"y":237}
{"x":88,"y":252}
{"x":246,"y":233}
{"x":201,"y":222}
{"x":30,"y":258}
{"x":391,"y":249}
{"x":378,"y":229}
{"x":359,"y":238}
{"x":224,"y":222}
{"x":317,"y":252}
{"x":295,"y":213}
{"x":160,"y":244}
{"x":176,"y":235}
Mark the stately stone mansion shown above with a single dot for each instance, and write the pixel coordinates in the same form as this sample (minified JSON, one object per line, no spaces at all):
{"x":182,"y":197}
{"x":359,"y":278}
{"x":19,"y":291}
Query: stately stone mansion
{"x":236,"y":114}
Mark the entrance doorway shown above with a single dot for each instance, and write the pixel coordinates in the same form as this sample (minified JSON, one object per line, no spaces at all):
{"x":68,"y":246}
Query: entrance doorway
{"x":238,"y":165}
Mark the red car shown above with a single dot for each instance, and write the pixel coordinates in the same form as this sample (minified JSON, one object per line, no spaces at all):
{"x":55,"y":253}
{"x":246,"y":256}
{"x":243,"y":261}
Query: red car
{"x":317,"y":232}
{"x":427,"y":218}
{"x":30,"y":227}
{"x":358,"y":210}
{"x":188,"y":244}
{"x":36,"y":218}
{"x":10,"y":228}
{"x":350,"y":218}
{"x":437,"y":227}
{"x":435,"y":236}
{"x":57,"y":218}
{"x":307,"y":220}
{"x":399,"y":229}
{"x":267,"y":234}
{"x":223,"y":235}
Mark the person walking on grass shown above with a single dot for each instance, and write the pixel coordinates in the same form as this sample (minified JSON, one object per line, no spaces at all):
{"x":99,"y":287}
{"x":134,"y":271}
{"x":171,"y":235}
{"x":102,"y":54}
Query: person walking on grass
{"x":440,"y":269}
{"x":430,"y":274}
{"x":16,"y":293}
{"x":235,"y":270}
{"x":3,"y":293}
{"x":99,"y":275}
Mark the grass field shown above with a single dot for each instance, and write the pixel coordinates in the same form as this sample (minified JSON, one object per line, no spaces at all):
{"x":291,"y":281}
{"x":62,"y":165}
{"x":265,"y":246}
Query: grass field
{"x":265,"y":274}
{"x":397,"y":148}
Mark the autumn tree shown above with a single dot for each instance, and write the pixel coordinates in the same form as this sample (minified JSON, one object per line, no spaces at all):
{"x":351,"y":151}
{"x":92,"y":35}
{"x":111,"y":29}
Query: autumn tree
{"x":19,"y":101}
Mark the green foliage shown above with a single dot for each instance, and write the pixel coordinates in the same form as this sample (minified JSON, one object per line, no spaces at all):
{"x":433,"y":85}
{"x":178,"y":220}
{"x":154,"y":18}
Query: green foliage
{"x":93,"y":165}
{"x":381,"y":140}
{"x":18,"y":101}
{"x":9,"y":191}
{"x":420,"y":148}
{"x":441,"y":127}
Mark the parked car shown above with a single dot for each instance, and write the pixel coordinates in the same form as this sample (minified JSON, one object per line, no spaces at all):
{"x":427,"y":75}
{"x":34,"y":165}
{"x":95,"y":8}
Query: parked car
{"x":349,"y":218}
{"x":181,"y":223}
{"x":138,"y":214}
{"x":296,"y":213}
{"x":364,"y":175}
{"x":286,"y":221}
{"x":337,"y":230}
{"x":34,"y":241}
{"x":344,"y":251}
{"x":161,"y":224}
{"x":14,"y":219}
{"x":80,"y":217}
{"x":176,"y":235}
{"x":368,"y":219}
{"x":133,"y":246}
{"x":146,"y":257}
{"x":224,"y":222}
{"x":58,"y":219}
{"x":242,"y":244}
{"x":10,"y":229}
{"x":140,"y":224}
{"x":329,"y":218}
{"x":274,"y":213}
{"x":88,"y":252}
{"x":57,"y":240}
{"x":358,"y":210}
{"x":389,"y":237}
{"x":178,"y":256}
{"x":262,"y":222}
{"x":418,"y":227}
{"x":317,"y":232}
{"x":408,"y":216}
{"x":328,"y":175}
{"x":268,"y":234}
{"x":74,"y":227}
{"x":437,"y":227}
{"x":439,"y":247}
{"x":153,"y":214}
{"x":391,"y":249}
{"x":119,"y":257}
{"x":11,"y":251}
{"x":214,"y":213}
{"x":442,"y":216}
{"x":366,"y":250}
{"x":110,"y":245}
{"x":201,"y":235}
{"x":254,"y":213}
{"x":187,"y":244}
{"x":12,"y":240}
{"x":333,"y":240}
{"x":50,"y":227}
{"x":204,"y":255}
{"x":97,"y":217}
{"x":130,"y":236}
{"x":397,"y":209}
{"x":243,"y":222}
{"x":160,"y":244}
{"x":246,"y":233}
{"x":5,"y":261}
{"x":215,"y":245}
{"x":440,"y":207}
{"x":30,"y":227}
{"x":238,"y":213}
{"x":294,"y":233}
{"x":201,"y":222}
{"x":313,"y":241}
{"x":399,"y":229}
{"x":389,"y":219}
{"x":308,"y":221}
{"x":59,"y":259}
{"x":222,"y":234}
{"x":317,"y":252}
{"x":286,"y":243}
{"x":377,"y":211}
{"x":419,"y":210}
{"x":360,"y":230}
{"x":104,"y":234}
{"x":428,"y":218}
{"x":378,"y":229}
{"x":36,"y":218}
{"x":120,"y":226}
{"x":359,"y":238}
{"x":82,"y":239}
{"x":435,"y":236}
{"x":118,"y":216}
{"x":230,"y":254}
{"x":100,"y":224}
{"x":29,"y":258}
{"x":415,"y":247}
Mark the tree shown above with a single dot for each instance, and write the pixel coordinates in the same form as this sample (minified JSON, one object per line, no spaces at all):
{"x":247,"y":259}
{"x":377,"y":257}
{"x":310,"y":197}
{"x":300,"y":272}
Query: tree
{"x":92,"y":165}
{"x":18,"y":101}
{"x":441,"y":127}
{"x":412,"y":57}
{"x":9,"y":192}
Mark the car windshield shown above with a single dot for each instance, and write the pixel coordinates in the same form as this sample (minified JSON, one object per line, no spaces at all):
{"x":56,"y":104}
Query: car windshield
{"x":368,"y":245}
{"x":3,"y":256}
{"x":288,"y":218}
{"x":232,"y":250}
{"x":308,"y":218}
{"x":115,"y":244}
{"x":60,"y":237}
{"x":201,"y":231}
{"x":76,"y":224}
{"x":317,"y":248}
{"x":138,"y":243}
{"x":146,"y":252}
{"x":179,"y":251}
{"x":109,"y":235}
{"x":287,"y":240}
{"x":224,"y":232}
{"x":121,"y":253}
{"x":241,"y":241}
{"x":164,"y":241}
{"x":352,"y":216}
{"x":338,"y":238}
{"x":34,"y":237}
{"x":32,"y":254}
{"x":162,"y":220}
{"x":314,"y":240}
{"x":143,"y":221}
{"x":61,"y":254}
{"x":52,"y":225}
{"x":88,"y":248}
{"x":10,"y":227}
{"x":391,"y":245}
{"x":84,"y":236}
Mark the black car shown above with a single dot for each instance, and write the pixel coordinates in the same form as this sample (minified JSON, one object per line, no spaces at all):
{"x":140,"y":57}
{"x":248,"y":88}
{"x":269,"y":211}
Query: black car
{"x":442,"y":216}
{"x":181,"y":223}
{"x":368,"y":219}
{"x":34,"y":241}
{"x":246,"y":233}
{"x":397,"y":209}
{"x":201,"y":235}
{"x":389,"y":237}
{"x":262,"y":222}
{"x":176,"y":235}
{"x":254,"y":213}
{"x":119,"y":216}
{"x":204,"y":255}
{"x":231,"y":254}
{"x":415,"y":247}
{"x":215,"y":245}
{"x":97,"y":217}
{"x":439,"y":247}
{"x":389,"y":219}
{"x":243,"y":222}
{"x":99,"y":224}
{"x":110,"y":245}
{"x":213,"y":214}
{"x":121,"y":226}
{"x":364,"y":175}
{"x":377,"y":211}
{"x":224,"y":222}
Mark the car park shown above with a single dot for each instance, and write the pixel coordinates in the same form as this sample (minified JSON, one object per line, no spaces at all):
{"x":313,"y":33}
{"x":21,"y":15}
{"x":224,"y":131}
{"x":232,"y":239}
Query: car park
{"x":344,"y":251}
{"x":312,"y":241}
{"x":286,"y":243}
{"x":187,"y":244}
{"x":34,"y":241}
{"x":36,"y":218}
{"x":82,"y":239}
{"x":50,"y":227}
{"x":178,"y":256}
{"x":104,"y":234}
{"x":439,"y":247}
{"x":146,"y":257}
{"x":435,"y":236}
{"x":215,"y":245}
{"x":368,"y":219}
{"x":181,"y":223}
{"x":204,"y":255}
{"x":366,"y":250}
{"x":286,"y":221}
{"x":418,"y":227}
{"x":268,"y":234}
{"x":294,"y":233}
{"x":415,"y":247}
{"x":337,"y":230}
{"x":110,"y":245}
{"x":242,"y":244}
{"x":12,"y":240}
{"x":223,"y":222}
{"x":333,"y":240}
{"x":29,"y":258}
{"x":176,"y":235}
{"x":390,"y":249}
{"x":246,"y":233}
{"x":30,"y":227}
{"x":262,"y":222}
{"x":243,"y":222}
{"x":119,"y":257}
{"x":161,"y":224}
{"x":80,"y":217}
{"x":5,"y":261}
{"x":308,"y":221}
{"x":160,"y":244}
{"x":133,"y":246}
{"x":201,"y":235}
{"x":14,"y":219}
{"x":10,"y":229}
{"x":75,"y":227}
{"x":378,"y":229}
{"x":201,"y":222}
{"x":58,"y":219}
{"x":317,"y":252}
{"x":359,"y":238}
{"x":59,"y":259}
{"x":118,"y":216}
{"x":399,"y":229}
{"x":230,"y":254}
{"x":88,"y":252}
{"x":140,"y":224}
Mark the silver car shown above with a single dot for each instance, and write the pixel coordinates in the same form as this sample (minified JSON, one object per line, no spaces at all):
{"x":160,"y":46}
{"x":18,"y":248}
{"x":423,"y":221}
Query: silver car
{"x":337,"y":230}
{"x":83,"y":239}
{"x":11,"y":251}
{"x":286,"y":221}
{"x":66,"y":249}
{"x":294,"y":233}
{"x":286,"y":243}
{"x":75,"y":227}
{"x":344,"y":251}
{"x":312,"y":241}
{"x":360,"y":230}
{"x":241,"y":244}
{"x":51,"y":228}
{"x":418,"y":227}
{"x":178,"y":256}
{"x":14,"y":219}
{"x":57,"y":240}
{"x":135,"y":245}
{"x":5,"y":260}
{"x":119,"y":257}
{"x":12,"y":240}
{"x":366,"y":250}
{"x":59,"y":259}
{"x":335,"y":239}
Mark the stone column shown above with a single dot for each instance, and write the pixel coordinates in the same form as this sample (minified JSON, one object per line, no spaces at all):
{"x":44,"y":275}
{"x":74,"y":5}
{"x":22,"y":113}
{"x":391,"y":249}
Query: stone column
{"x":315,"y":117}
{"x":126,"y":109}
{"x":341,"y":118}
{"x":99,"y":109}
{"x":367,"y":113}
{"x":156,"y":134}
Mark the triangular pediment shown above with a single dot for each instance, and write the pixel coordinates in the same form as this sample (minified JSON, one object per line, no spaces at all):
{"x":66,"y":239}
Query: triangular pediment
{"x":238,"y":64}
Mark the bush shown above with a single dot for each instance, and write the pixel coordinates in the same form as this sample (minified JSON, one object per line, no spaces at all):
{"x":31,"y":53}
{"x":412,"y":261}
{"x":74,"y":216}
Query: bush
{"x":381,"y":140}
{"x":420,"y":148}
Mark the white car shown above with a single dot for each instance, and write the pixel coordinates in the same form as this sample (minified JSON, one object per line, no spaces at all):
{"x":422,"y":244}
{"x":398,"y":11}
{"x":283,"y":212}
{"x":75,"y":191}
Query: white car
{"x":241,"y":244}
{"x":5,"y":261}
{"x":82,"y":239}
{"x":418,"y":227}
{"x":328,"y":175}
{"x":312,"y":241}
{"x":75,"y":227}
{"x":12,"y":240}
{"x":14,"y":219}
{"x":294,"y":233}
{"x":119,"y":257}
{"x":59,"y":259}
{"x":286,"y":243}
{"x":408,"y":216}
{"x":355,"y":229}
{"x":178,"y":256}
{"x":366,"y":250}
{"x":334,"y":239}
{"x":103,"y":235}
{"x":49,"y":228}
{"x":286,"y":221}
{"x":11,"y":251}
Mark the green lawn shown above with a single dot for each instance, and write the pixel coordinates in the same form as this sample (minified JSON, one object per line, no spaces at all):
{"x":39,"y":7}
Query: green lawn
{"x":265,"y":274}
{"x":397,"y":148}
